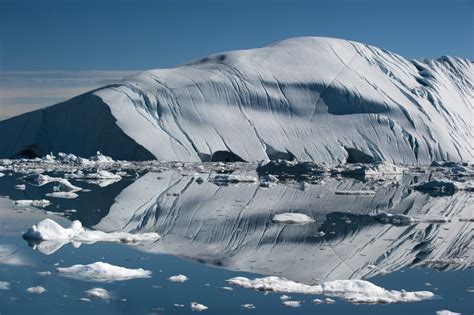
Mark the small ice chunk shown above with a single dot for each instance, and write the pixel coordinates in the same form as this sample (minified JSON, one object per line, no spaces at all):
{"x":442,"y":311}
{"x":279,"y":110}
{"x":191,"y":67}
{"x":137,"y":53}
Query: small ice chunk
{"x":43,"y":273}
{"x":62,"y":194}
{"x":317,"y":301}
{"x":292,"y":218}
{"x":248,"y":306}
{"x":101,"y":159}
{"x":195,"y":306}
{"x":4,"y":285}
{"x":98,"y":293}
{"x":20,"y":186}
{"x":285,"y":297}
{"x":293,"y":303}
{"x":35,"y":203}
{"x":36,"y":290}
{"x":446,"y":312}
{"x":178,"y":278}
{"x":102,"y":272}
{"x":103,"y":174}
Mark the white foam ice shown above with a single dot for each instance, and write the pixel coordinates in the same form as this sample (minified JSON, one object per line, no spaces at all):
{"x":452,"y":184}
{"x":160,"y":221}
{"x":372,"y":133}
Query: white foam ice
{"x":102,"y":272}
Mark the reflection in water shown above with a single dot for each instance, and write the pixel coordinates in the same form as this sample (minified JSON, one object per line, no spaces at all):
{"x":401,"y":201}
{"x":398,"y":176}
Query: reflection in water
{"x":230,"y":226}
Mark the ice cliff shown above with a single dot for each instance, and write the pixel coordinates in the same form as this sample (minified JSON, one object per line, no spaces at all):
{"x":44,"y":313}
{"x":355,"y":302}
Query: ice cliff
{"x":308,"y":98}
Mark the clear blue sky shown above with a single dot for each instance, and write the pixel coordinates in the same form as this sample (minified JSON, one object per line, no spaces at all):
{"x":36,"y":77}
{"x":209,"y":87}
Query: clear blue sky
{"x":121,"y":35}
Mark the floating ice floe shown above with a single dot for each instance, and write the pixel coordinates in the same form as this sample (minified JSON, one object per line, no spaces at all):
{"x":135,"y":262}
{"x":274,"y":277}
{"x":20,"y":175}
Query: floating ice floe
{"x":354,"y":291}
{"x":98,"y":293}
{"x":102,"y":272}
{"x":20,"y":186}
{"x":62,"y":194}
{"x":4,"y":285}
{"x":371,"y":170}
{"x":63,"y":189}
{"x":36,"y":290}
{"x":49,"y":230}
{"x":197,"y":307}
{"x":292,"y":303}
{"x":446,"y":312}
{"x":35,"y":203}
{"x":102,"y":178}
{"x":292,"y":218}
{"x":178,"y":278}
{"x":248,"y":306}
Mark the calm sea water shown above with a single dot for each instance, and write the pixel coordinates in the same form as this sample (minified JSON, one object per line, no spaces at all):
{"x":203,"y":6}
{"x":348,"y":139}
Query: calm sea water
{"x":212,"y":233}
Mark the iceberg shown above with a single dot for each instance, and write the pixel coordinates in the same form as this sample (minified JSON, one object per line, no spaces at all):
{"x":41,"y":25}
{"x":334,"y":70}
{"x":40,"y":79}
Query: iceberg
{"x":52,"y":236}
{"x":102,"y":272}
{"x":354,"y":291}
{"x":306,"y":99}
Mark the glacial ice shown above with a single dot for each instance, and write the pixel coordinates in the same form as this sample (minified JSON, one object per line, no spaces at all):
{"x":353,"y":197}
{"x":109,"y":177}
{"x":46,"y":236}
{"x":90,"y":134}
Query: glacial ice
{"x":56,"y":236}
{"x":98,"y":293}
{"x":36,"y":290}
{"x":197,"y":307}
{"x":306,"y":99}
{"x":354,"y":291}
{"x":4,"y":285}
{"x":102,"y":272}
{"x":178,"y":278}
{"x":35,"y":203}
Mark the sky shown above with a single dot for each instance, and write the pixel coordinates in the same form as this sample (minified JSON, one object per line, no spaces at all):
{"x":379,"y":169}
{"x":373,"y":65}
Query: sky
{"x":59,"y":38}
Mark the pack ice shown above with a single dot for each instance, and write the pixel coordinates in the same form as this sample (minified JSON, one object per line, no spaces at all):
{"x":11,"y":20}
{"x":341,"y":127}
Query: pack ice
{"x":309,"y":99}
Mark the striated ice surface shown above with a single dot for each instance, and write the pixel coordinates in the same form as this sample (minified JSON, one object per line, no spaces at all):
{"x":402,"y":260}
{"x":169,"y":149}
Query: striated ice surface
{"x":353,"y":237}
{"x":307,"y":98}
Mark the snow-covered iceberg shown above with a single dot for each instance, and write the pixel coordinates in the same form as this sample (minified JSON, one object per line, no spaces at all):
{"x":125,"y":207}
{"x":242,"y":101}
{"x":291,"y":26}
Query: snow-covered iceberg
{"x":308,"y":98}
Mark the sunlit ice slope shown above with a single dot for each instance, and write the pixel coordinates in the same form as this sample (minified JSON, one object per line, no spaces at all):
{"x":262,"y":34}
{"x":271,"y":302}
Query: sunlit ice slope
{"x":309,"y":98}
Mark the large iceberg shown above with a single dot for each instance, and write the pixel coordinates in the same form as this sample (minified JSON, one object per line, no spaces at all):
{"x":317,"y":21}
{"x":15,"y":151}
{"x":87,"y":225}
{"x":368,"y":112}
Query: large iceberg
{"x":308,"y":98}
